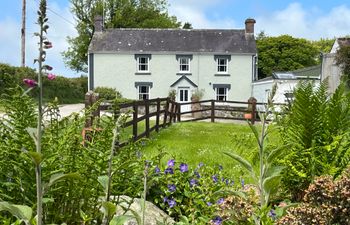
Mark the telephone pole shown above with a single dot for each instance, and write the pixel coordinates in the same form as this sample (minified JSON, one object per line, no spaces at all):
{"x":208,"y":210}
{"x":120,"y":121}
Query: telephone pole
{"x":23,"y":35}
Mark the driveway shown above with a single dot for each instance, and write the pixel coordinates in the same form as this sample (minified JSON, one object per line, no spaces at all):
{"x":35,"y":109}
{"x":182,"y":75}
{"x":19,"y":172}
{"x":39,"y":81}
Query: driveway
{"x":66,"y":110}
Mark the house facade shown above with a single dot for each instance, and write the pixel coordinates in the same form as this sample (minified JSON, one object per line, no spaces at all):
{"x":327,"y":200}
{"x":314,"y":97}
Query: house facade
{"x":149,"y":63}
{"x":330,"y":71}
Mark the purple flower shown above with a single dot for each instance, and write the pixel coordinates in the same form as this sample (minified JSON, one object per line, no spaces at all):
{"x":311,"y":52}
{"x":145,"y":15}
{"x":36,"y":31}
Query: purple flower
{"x":51,"y":76}
{"x":193,"y":182}
{"x":272,"y":214}
{"x":209,"y":203}
{"x":165,"y":199}
{"x":217,"y":220}
{"x":171,"y":187}
{"x":47,"y":44}
{"x":197,"y":174}
{"x":171,"y":203}
{"x":183,"y":167}
{"x":171,"y":163}
{"x":227,"y":181}
{"x":242,"y":182}
{"x":157,"y":170}
{"x":30,"y":83}
{"x":200,"y":165}
{"x":215,"y":178}
{"x":169,"y":170}
{"x":220,"y":201}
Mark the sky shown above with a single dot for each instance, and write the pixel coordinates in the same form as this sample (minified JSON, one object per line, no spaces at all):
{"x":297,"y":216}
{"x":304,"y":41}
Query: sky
{"x":310,"y":19}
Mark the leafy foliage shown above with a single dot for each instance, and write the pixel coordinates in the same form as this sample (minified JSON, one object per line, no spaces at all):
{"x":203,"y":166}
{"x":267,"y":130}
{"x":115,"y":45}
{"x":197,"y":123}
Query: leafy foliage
{"x":108,"y":93}
{"x":118,"y":14}
{"x":66,"y":90}
{"x":284,"y":53}
{"x":317,"y":130}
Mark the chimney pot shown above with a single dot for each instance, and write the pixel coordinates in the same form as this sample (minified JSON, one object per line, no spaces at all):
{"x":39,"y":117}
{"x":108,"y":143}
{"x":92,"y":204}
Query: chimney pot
{"x":98,"y":23}
{"x":249,"y":26}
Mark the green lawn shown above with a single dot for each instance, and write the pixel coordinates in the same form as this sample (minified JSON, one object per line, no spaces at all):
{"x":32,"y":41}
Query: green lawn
{"x":196,"y":142}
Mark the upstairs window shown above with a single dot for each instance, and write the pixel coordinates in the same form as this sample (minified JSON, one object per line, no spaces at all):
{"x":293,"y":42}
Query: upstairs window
{"x":184,"y":64}
{"x":142,"y":63}
{"x":222,"y":65}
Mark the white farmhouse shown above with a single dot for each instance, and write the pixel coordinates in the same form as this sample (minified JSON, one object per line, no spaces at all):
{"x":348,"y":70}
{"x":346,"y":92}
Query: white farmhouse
{"x":149,"y":63}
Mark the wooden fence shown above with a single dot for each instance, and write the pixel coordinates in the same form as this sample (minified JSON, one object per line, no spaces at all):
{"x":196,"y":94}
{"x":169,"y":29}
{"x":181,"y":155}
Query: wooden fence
{"x":165,"y":111}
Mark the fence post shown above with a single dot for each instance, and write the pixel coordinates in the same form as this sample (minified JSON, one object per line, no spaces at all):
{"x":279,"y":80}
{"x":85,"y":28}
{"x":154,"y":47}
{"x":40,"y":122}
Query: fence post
{"x":252,"y":103}
{"x":178,"y":112}
{"x":212,"y":111}
{"x":134,"y":119}
{"x":175,"y":112}
{"x":171,"y":112}
{"x":90,"y":99}
{"x":147,"y":117}
{"x":158,"y":114}
{"x":166,"y":112}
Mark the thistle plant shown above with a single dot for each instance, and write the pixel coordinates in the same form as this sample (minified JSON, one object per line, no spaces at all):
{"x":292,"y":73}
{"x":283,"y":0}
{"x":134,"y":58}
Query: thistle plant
{"x":268,"y":175}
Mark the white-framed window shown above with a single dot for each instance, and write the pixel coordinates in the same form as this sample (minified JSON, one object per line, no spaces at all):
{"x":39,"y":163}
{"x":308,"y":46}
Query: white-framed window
{"x":184,"y":63}
{"x":221,"y":93}
{"x":222,"y":65}
{"x":143,"y":92}
{"x":143,"y":64}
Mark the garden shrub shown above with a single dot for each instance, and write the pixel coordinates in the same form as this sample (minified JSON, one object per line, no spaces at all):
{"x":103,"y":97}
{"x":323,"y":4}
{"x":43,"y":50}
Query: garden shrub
{"x":326,"y":201}
{"x":107,"y":93}
{"x":316,"y":131}
{"x":183,"y":191}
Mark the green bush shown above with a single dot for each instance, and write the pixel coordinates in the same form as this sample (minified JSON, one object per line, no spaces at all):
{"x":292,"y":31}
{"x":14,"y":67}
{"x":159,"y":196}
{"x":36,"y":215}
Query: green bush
{"x":316,"y":132}
{"x":326,"y":202}
{"x":66,"y":90}
{"x":108,"y":93}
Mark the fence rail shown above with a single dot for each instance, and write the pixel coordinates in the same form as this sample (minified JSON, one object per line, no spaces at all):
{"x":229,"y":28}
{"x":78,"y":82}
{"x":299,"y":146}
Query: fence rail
{"x":165,"y":111}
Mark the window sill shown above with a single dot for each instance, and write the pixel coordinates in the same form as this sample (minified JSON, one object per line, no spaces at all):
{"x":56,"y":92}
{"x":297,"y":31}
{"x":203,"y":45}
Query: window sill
{"x":222,"y":74}
{"x":184,"y":73}
{"x":142,"y":73}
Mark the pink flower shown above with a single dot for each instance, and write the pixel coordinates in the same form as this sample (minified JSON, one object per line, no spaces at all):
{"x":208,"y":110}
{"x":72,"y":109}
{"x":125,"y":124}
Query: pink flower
{"x":51,"y":76}
{"x":47,"y":44}
{"x":30,"y":83}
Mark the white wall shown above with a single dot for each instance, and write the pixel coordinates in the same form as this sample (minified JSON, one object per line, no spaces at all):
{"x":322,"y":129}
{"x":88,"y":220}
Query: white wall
{"x":118,"y":71}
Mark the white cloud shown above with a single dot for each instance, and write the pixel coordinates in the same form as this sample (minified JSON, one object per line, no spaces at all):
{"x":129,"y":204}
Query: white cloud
{"x":299,"y":22}
{"x":59,"y":29}
{"x":193,"y":11}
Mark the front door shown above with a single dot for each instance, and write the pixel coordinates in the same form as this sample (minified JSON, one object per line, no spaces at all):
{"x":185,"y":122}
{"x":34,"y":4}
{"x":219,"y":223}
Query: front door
{"x":183,"y":96}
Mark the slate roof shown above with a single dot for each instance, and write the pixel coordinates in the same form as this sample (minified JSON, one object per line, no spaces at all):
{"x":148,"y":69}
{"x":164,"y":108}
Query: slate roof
{"x":223,"y":41}
{"x":311,"y":72}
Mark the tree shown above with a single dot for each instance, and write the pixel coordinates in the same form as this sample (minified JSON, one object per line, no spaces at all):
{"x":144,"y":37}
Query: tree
{"x":342,"y":59}
{"x":284,"y":53}
{"x":117,"y":14}
{"x":187,"y":25}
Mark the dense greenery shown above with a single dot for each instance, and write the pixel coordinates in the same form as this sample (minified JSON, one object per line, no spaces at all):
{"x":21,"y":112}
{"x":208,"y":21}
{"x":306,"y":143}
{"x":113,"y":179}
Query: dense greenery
{"x":66,"y":90}
{"x":286,"y":53}
{"x":316,"y":129}
{"x":118,"y":14}
{"x":107,"y":93}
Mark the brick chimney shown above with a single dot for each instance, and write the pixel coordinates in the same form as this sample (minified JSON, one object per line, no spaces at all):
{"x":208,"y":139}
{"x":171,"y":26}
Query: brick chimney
{"x":98,"y":23}
{"x":249,"y":26}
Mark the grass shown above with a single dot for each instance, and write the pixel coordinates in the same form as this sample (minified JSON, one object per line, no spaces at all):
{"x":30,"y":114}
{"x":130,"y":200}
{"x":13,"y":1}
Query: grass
{"x":196,"y":142}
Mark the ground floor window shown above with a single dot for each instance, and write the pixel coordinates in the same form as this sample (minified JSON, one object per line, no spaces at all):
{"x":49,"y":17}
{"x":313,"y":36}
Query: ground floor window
{"x":143,"y":92}
{"x":221,"y":94}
